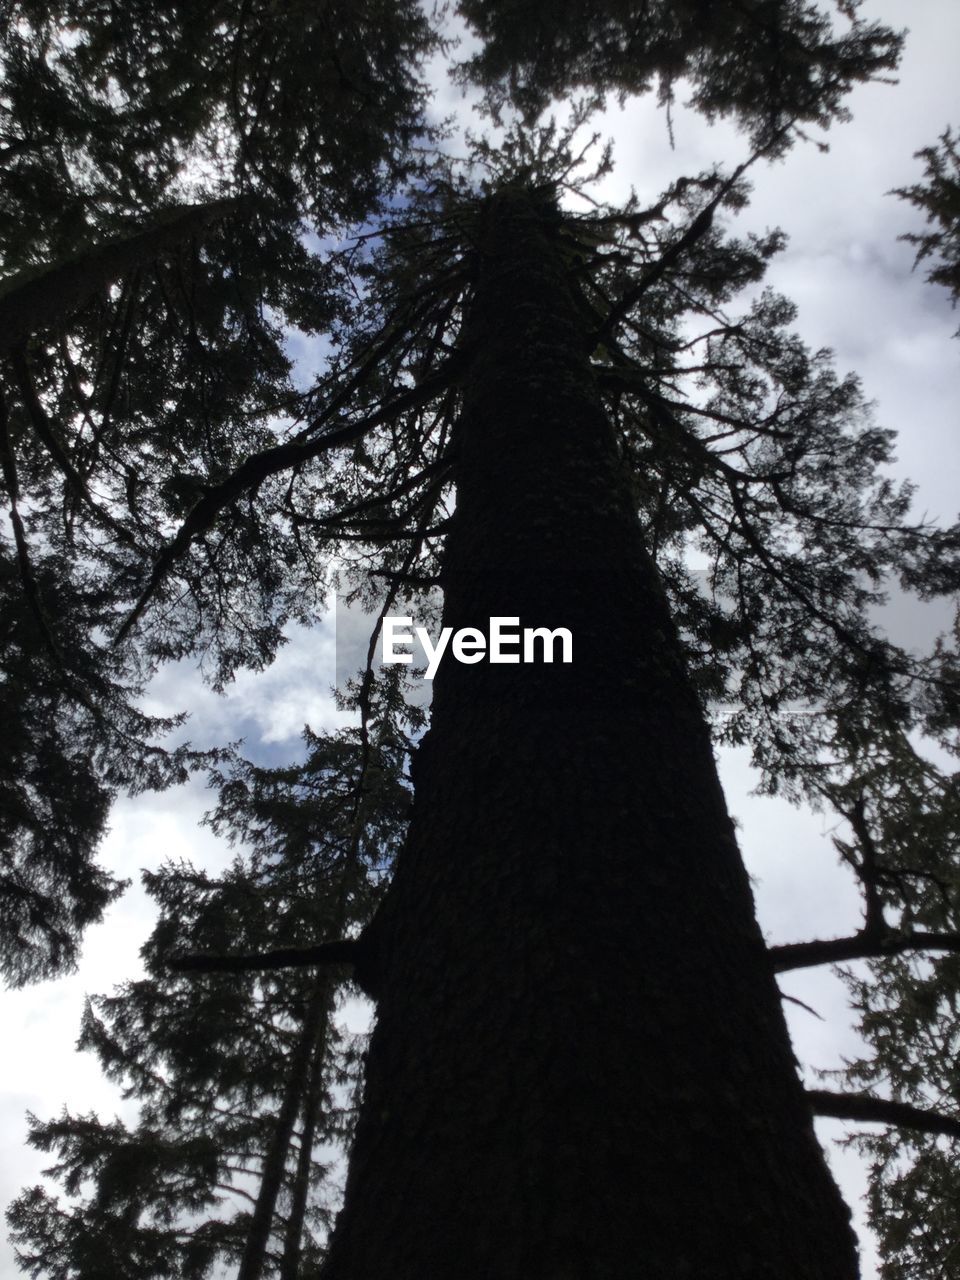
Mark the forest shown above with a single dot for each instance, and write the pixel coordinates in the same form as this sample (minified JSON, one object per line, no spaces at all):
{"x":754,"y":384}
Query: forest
{"x":312,"y":301}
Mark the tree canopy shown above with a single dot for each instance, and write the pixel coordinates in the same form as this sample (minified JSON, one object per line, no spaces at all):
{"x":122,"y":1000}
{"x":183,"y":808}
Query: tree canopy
{"x":772,"y":65}
{"x":155,"y":365}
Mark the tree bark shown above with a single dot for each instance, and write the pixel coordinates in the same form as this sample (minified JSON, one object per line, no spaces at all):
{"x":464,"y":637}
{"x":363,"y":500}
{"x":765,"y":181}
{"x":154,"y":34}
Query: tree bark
{"x":580,"y":1068}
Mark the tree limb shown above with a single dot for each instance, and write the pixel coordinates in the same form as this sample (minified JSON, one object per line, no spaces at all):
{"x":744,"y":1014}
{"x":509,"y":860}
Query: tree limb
{"x":861,"y":946}
{"x":39,"y":297}
{"x":868,"y":868}
{"x":697,"y":229}
{"x":341,"y":951}
{"x":860,"y":1106}
{"x":259,"y":466}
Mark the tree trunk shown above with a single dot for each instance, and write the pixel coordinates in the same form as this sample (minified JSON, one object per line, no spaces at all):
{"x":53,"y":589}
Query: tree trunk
{"x":275,"y":1158}
{"x":580,"y":1068}
{"x":293,"y":1231}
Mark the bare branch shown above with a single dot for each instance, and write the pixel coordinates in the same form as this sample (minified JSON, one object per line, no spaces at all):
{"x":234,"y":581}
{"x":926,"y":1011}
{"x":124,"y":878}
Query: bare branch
{"x":862,"y":1107}
{"x":861,"y":946}
{"x":803,"y":1005}
{"x":342,"y":951}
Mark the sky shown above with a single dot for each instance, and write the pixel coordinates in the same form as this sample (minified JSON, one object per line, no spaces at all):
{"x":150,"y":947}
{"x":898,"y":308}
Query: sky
{"x":858,"y":293}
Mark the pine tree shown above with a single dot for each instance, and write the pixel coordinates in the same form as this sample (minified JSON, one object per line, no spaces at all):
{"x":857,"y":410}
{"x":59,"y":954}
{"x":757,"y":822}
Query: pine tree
{"x":243,"y":1082}
{"x":168,"y":175}
{"x":579,"y":1058}
{"x":907,"y":1005}
{"x":535,"y":479}
{"x":938,"y":196}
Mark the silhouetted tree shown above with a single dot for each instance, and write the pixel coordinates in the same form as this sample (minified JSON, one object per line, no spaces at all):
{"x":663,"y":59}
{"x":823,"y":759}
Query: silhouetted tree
{"x":243,"y":1082}
{"x":167,"y":174}
{"x":938,"y":196}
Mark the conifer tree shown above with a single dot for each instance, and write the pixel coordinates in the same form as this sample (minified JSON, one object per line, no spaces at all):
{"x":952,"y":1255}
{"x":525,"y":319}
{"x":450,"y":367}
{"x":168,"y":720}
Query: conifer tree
{"x":907,"y":1004}
{"x":243,"y":1082}
{"x":938,"y":197}
{"x":580,"y":1064}
{"x":167,"y":176}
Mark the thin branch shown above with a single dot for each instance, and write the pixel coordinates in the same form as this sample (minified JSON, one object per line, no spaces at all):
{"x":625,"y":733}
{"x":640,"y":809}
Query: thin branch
{"x":861,"y":946}
{"x":342,"y":951}
{"x":234,"y":1191}
{"x":803,"y":1005}
{"x":868,"y":870}
{"x":259,"y":466}
{"x":860,"y":1106}
{"x":697,"y":229}
{"x":378,"y":500}
{"x":407,"y":579}
{"x":397,"y":326}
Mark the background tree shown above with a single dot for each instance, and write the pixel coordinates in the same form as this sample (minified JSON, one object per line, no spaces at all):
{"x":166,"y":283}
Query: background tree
{"x":155,"y":363}
{"x":772,"y":65}
{"x":244,"y":1083}
{"x":938,"y":196}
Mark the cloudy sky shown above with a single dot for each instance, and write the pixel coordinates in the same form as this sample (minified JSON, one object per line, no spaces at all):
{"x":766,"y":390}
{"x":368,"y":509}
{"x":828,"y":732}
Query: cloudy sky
{"x":857,"y":293}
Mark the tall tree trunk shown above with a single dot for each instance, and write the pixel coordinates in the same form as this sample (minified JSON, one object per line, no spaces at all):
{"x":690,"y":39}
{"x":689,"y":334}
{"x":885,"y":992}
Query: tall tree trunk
{"x":293,"y":1231}
{"x":275,"y":1159}
{"x":580,"y":1067}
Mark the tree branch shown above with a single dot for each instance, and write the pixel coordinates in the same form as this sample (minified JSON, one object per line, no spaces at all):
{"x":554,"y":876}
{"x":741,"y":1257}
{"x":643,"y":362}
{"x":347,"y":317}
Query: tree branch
{"x":868,"y":868}
{"x":861,"y":946}
{"x":342,"y":951}
{"x":38,"y":297}
{"x":697,"y":229}
{"x":259,"y":466}
{"x":57,"y":451}
{"x":860,"y":1106}
{"x":8,"y":469}
{"x":803,"y":1005}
